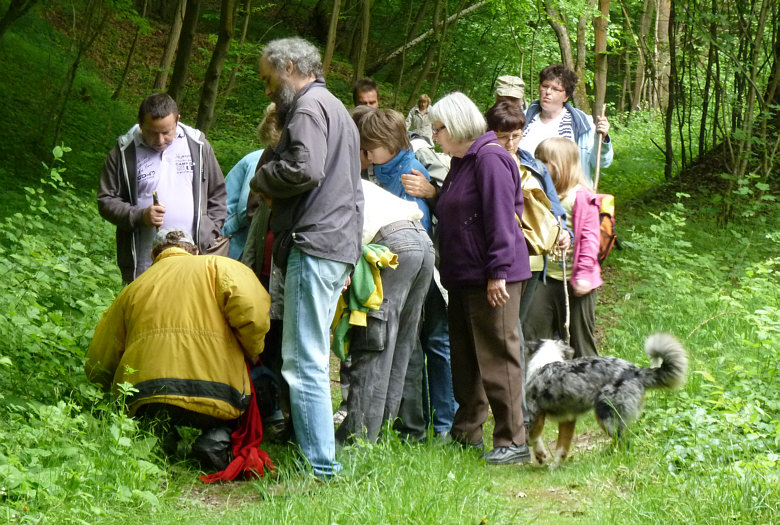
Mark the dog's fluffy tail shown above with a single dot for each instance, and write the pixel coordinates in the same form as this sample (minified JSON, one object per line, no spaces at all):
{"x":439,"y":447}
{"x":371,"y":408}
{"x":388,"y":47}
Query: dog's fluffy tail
{"x":666,"y":350}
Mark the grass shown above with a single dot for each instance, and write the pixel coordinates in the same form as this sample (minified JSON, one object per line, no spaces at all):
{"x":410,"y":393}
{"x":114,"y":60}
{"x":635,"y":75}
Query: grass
{"x":706,"y":454}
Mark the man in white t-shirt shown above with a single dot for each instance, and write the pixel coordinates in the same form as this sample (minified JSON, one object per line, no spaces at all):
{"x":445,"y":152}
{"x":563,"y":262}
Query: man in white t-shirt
{"x":162,"y":155}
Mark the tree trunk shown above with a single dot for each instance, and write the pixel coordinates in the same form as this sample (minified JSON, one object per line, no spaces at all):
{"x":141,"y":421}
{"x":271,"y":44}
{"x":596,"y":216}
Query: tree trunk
{"x":669,"y":153}
{"x":662,"y":57}
{"x":624,"y":67}
{"x":707,"y":83}
{"x":170,"y":47}
{"x":130,"y":53}
{"x":191,"y":15}
{"x":208,"y":95}
{"x":444,"y":50}
{"x":580,"y":90}
{"x":430,"y":55}
{"x":365,"y":24}
{"x":772,"y":94}
{"x":376,"y":66}
{"x":16,"y":10}
{"x":408,"y":32}
{"x":642,"y":52}
{"x":332,"y":32}
{"x":240,"y":58}
{"x":560,"y":27}
{"x":600,"y":77}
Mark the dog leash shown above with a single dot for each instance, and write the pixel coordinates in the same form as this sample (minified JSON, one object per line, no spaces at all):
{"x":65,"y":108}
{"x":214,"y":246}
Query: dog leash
{"x":566,"y":323}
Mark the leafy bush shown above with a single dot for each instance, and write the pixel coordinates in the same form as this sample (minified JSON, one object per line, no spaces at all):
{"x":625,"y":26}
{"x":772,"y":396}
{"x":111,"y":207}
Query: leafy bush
{"x":717,"y":441}
{"x":57,"y":276}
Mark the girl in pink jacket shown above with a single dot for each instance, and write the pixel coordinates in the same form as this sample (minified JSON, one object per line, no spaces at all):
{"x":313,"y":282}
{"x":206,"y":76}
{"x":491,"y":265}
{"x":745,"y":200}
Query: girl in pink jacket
{"x":548,"y":312}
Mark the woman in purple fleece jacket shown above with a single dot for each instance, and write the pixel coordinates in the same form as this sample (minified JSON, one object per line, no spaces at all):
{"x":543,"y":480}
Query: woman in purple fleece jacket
{"x":484,"y":266}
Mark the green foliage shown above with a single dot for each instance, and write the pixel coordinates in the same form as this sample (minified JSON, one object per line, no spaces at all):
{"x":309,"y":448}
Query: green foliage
{"x":55,"y":262}
{"x":56,"y":278}
{"x":717,"y":441}
{"x":96,"y":460}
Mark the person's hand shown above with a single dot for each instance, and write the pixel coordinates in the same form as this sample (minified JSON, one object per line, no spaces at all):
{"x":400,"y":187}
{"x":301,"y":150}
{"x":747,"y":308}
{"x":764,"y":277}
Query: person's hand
{"x":346,"y":284}
{"x":564,"y":240}
{"x":581,"y":287}
{"x":416,"y":185}
{"x":496,"y":292}
{"x":602,"y":126}
{"x":153,"y":215}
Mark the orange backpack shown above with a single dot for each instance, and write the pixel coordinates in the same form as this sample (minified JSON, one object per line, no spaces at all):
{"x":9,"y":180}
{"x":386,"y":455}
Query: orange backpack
{"x":607,"y":219}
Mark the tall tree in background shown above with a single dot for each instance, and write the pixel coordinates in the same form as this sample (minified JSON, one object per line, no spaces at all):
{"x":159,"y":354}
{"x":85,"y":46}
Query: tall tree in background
{"x":600,"y":62}
{"x":362,"y":51}
{"x":208,"y":94}
{"x":643,"y":52}
{"x":559,"y":22}
{"x":333,"y":27}
{"x":170,"y":46}
{"x":184,"y":51}
{"x":241,"y":56}
{"x":430,"y":53}
{"x":16,"y":10}
{"x":662,"y":64}
{"x":142,"y":26}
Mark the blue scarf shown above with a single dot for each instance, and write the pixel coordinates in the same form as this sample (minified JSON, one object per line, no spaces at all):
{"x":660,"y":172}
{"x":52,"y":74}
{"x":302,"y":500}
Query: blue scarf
{"x":388,"y":175}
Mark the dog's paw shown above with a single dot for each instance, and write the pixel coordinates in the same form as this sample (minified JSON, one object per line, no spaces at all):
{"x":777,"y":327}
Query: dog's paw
{"x":539,"y":455}
{"x":558,"y":460}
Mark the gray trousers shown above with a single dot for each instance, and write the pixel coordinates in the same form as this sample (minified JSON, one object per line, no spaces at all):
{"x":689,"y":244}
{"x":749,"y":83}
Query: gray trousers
{"x":381,"y":351}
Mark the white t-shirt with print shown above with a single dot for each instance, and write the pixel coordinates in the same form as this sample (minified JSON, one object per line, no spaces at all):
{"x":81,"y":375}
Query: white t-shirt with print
{"x":170,"y":173}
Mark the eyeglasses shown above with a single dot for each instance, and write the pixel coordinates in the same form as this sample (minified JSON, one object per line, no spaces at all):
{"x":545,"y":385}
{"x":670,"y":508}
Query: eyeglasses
{"x":547,"y":87}
{"x":437,"y":130}
{"x":510,"y":135}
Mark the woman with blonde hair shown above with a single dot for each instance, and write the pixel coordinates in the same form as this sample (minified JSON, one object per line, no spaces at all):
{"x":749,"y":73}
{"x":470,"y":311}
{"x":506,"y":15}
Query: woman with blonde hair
{"x":547,"y":317}
{"x":419,"y":119}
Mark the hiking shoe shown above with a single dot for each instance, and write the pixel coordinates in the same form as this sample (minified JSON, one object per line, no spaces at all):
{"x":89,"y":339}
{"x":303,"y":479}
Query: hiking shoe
{"x":511,"y":455}
{"x":213,"y":449}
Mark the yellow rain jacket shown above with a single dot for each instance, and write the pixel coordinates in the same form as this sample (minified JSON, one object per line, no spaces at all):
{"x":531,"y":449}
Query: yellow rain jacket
{"x":180,"y":334}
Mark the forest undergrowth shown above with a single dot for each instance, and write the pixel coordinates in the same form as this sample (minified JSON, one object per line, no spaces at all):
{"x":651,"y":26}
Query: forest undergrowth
{"x":705,"y":454}
{"x":708,"y":453}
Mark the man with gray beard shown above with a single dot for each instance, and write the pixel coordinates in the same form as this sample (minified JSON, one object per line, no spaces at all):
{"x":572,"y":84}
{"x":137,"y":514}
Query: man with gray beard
{"x":313,"y":183}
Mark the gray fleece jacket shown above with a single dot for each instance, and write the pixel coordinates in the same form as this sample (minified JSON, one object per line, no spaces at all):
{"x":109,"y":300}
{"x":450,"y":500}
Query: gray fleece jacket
{"x":314,"y":180}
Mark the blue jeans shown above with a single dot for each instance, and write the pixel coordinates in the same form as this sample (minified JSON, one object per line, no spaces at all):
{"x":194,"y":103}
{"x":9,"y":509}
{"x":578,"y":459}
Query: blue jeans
{"x":439,"y":404}
{"x":312,"y":288}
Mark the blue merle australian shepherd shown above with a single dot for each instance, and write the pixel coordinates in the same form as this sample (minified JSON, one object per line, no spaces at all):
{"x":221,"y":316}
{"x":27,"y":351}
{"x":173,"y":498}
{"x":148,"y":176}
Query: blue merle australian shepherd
{"x":561,"y":388}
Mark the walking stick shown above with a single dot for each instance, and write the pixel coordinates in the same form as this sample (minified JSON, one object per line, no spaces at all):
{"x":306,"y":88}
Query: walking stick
{"x":156,"y":201}
{"x":598,"y":155}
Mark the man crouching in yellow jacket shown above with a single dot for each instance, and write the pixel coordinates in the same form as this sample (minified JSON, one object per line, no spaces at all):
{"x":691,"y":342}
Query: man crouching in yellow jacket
{"x":180,"y":334}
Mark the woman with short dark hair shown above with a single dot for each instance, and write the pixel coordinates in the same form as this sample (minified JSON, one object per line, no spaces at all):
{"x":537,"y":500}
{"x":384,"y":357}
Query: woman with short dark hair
{"x":553,"y":116}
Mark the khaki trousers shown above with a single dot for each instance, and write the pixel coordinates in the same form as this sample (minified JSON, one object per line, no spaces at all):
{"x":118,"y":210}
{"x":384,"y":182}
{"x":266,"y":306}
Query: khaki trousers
{"x":487,"y":370}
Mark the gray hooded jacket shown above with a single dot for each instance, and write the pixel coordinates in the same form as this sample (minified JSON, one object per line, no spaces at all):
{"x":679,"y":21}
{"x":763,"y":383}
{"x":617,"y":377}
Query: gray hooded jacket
{"x":118,"y":194}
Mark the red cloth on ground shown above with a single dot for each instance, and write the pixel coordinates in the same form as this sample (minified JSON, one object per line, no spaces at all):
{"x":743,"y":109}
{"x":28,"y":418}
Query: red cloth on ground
{"x":250,"y":460}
